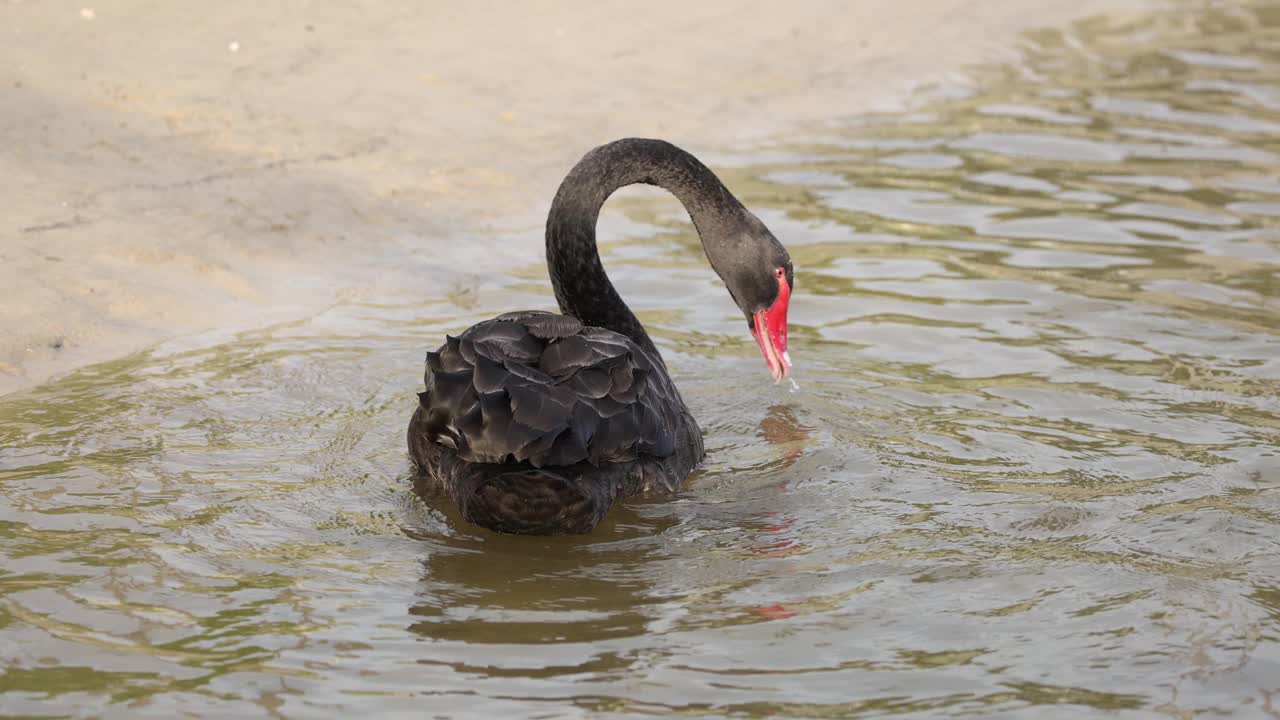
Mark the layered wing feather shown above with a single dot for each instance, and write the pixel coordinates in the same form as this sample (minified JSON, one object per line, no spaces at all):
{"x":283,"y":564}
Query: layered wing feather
{"x":544,"y":389}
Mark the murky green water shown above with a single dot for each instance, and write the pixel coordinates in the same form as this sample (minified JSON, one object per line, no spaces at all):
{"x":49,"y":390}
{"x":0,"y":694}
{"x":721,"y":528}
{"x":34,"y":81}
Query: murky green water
{"x":1034,"y":460}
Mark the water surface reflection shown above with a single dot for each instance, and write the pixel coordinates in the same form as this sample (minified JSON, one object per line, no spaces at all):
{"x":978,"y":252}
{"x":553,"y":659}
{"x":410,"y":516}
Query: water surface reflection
{"x":1034,"y":460}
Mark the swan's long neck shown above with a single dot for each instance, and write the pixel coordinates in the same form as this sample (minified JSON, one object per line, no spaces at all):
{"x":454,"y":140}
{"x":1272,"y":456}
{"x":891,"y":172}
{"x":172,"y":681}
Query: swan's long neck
{"x":582,"y":287}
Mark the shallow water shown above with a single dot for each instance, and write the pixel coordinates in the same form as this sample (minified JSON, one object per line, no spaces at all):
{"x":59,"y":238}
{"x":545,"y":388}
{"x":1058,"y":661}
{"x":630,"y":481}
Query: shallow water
{"x":1033,"y":459}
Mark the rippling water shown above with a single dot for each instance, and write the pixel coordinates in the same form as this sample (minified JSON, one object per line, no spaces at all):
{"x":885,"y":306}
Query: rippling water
{"x":1033,"y":459}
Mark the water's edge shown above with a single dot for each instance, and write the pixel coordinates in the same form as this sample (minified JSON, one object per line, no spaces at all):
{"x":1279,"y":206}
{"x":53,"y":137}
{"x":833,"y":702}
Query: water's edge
{"x":1032,"y":469}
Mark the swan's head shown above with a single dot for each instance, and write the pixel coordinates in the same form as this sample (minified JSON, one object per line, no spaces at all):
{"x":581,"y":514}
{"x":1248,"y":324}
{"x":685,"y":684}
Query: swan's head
{"x":760,"y":278}
{"x":769,"y":323}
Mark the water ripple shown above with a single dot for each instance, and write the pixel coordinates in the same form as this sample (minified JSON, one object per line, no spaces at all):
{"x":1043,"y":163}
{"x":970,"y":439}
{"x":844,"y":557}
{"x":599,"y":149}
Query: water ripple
{"x":1034,"y":462}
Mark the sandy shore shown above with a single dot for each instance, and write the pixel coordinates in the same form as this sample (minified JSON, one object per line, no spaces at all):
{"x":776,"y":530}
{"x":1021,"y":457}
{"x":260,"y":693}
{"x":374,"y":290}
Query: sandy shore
{"x":174,"y":167}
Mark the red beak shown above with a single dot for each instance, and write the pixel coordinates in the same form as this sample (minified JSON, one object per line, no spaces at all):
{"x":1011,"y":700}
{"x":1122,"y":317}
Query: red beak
{"x":770,"y":332}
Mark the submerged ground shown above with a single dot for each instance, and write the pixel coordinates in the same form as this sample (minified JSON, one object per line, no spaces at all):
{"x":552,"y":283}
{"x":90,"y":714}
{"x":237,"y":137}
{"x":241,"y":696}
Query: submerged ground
{"x":174,"y":167}
{"x":1033,"y":459}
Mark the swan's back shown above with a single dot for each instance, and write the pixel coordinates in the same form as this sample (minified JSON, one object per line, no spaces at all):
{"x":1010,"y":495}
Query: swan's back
{"x":534,"y":423}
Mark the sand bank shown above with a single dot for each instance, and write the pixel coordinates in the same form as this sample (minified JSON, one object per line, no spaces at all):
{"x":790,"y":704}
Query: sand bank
{"x":174,"y":167}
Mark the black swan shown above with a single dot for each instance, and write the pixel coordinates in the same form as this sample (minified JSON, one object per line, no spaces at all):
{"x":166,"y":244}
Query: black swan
{"x":535,"y":423}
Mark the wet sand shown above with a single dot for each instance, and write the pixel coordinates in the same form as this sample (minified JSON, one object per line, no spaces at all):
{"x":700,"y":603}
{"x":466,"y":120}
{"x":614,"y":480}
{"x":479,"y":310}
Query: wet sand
{"x":178,"y":167}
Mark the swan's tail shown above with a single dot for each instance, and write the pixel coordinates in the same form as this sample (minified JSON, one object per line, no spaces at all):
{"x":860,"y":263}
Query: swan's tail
{"x":518,"y":498}
{"x":525,"y":500}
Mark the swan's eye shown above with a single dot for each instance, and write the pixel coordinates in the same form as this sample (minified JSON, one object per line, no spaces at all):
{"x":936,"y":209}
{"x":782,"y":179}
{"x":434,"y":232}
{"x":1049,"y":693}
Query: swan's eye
{"x":779,"y":273}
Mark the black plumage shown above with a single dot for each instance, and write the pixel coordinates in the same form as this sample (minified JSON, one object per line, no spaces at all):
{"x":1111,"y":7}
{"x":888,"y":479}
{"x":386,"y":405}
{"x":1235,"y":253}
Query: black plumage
{"x":534,"y":422}
{"x":541,"y":406}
